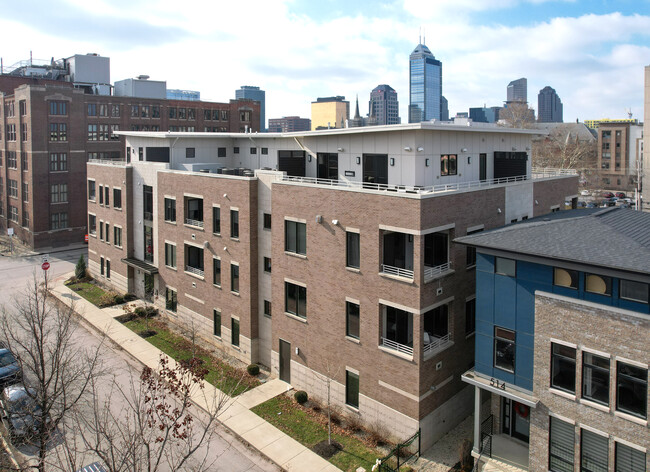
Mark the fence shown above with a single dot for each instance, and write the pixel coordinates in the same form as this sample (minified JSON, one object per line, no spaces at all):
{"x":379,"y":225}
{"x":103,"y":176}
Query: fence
{"x":400,"y":455}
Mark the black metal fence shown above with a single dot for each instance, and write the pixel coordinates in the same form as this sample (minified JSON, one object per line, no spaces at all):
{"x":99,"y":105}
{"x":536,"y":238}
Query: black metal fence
{"x":486,"y":436}
{"x":401,"y":454}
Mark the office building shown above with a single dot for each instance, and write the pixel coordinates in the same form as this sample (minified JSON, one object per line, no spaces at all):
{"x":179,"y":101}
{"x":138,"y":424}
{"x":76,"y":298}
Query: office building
{"x":383,"y":105}
{"x":646,"y":132}
{"x":329,"y":112}
{"x":289,"y":124}
{"x":619,"y":154}
{"x":561,"y":357}
{"x":248,"y":92}
{"x":549,"y":106}
{"x":425,"y":85}
{"x":178,"y":94}
{"x":322,"y":250}
{"x":594,"y":124}
{"x":444,"y":109}
{"x":517,"y":91}
{"x":484,"y":114}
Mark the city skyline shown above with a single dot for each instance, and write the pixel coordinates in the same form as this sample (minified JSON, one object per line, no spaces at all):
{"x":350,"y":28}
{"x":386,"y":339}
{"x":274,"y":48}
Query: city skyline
{"x":577,"y":47}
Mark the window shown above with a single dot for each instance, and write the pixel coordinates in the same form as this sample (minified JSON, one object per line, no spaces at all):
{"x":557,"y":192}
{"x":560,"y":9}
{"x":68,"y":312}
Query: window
{"x":194,"y":260}
{"x":13,"y":213}
{"x":561,"y":445}
{"x":58,"y":221}
{"x":267,"y":264}
{"x":234,"y":278}
{"x":135,"y":111}
{"x":253,"y":150}
{"x":172,"y":113}
{"x":244,"y":115}
{"x":351,"y":389}
{"x":115,"y":111}
{"x":565,"y":278}
{"x":25,"y":219}
{"x":107,"y":191}
{"x":144,"y":111}
{"x":58,"y":162}
{"x":101,"y":229}
{"x":295,"y":299}
{"x":470,"y":316}
{"x":190,"y":153}
{"x":504,"y":349}
{"x":265,"y":151}
{"x":563,"y":367}
{"x":234,"y":224}
{"x":235,"y":150}
{"x":58,"y":108}
{"x":267,"y":308}
{"x":628,"y":458}
{"x":216,"y":322}
{"x":101,"y":194}
{"x":598,"y":284}
{"x":92,"y":224}
{"x":171,"y":300}
{"x":631,"y":389}
{"x":113,"y":129}
{"x":12,"y":162}
{"x":216,"y":272}
{"x":503,"y":266}
{"x":101,"y":266}
{"x":108,"y":269}
{"x":635,"y":291}
{"x":295,"y":237}
{"x":91,"y":190}
{"x":103,"y":132}
{"x":92,"y":132}
{"x":224,"y":115}
{"x":595,"y":378}
{"x":23,"y":107}
{"x":594,"y":452}
{"x":267,"y":221}
{"x":448,"y":164}
{"x":181,"y":114}
{"x":352,"y":251}
{"x":117,"y":198}
{"x":12,"y":190}
{"x":221,"y":152}
{"x":117,"y":236}
{"x":170,"y":255}
{"x":170,"y":210}
{"x":234,"y":333}
{"x":471,"y":251}
{"x":58,"y":132}
{"x":25,"y":192}
{"x":216,"y":220}
{"x":352,"y":320}
{"x":58,"y":193}
{"x":155,"y":111}
{"x":23,"y":132}
{"x":11,"y":132}
{"x":92,"y":109}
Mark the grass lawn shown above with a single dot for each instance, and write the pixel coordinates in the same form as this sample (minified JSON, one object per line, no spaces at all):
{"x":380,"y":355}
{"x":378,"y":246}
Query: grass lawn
{"x":89,"y":291}
{"x":222,"y":375}
{"x":299,"y":423}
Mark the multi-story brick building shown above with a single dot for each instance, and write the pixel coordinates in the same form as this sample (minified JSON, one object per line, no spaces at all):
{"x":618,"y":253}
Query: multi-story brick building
{"x":562,"y":322}
{"x":49,"y":129}
{"x":323,"y":252}
{"x":619,"y":154}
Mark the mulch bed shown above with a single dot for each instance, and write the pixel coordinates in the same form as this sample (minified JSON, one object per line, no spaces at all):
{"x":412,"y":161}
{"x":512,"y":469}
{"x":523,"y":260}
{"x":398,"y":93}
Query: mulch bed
{"x":326,"y":450}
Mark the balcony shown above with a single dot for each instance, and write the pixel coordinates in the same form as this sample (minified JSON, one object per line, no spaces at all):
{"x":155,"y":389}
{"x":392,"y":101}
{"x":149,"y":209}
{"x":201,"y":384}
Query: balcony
{"x":397,"y":331}
{"x":191,"y":222}
{"x":435,"y":344}
{"x":397,"y":254}
{"x":431,"y":273}
{"x":395,"y":346}
{"x":396,"y":271}
{"x":194,"y":270}
{"x":194,"y":211}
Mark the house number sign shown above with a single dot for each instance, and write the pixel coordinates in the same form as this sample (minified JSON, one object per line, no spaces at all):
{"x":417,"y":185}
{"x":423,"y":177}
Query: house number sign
{"x":495,"y":383}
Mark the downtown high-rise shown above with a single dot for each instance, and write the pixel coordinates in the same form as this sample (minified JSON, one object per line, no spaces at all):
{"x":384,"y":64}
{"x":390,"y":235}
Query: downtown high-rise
{"x":517,"y":91}
{"x":425,"y":85}
{"x":549,"y":106}
{"x":384,"y":106}
{"x":250,"y":92}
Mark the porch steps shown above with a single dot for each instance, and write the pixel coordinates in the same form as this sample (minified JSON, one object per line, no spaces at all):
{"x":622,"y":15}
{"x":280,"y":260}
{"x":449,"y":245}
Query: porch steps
{"x":493,"y":465}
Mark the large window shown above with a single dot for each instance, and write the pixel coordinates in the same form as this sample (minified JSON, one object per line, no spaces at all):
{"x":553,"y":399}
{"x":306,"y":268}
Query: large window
{"x":234,"y":333}
{"x":595,"y":378}
{"x":58,"y":161}
{"x":92,"y":132}
{"x":194,"y":260}
{"x":352,"y":320}
{"x":59,"y":220}
{"x":91,"y":190}
{"x":58,"y":108}
{"x":216,"y":272}
{"x":598,"y":284}
{"x":216,"y":322}
{"x":631,"y":389}
{"x":448,"y":164}
{"x":635,"y":291}
{"x":171,"y":301}
{"x":594,"y":452}
{"x":352,"y":389}
{"x":117,"y":198}
{"x":234,"y":278}
{"x":295,"y":237}
{"x":503,"y":266}
{"x":117,"y":236}
{"x":563,"y":367}
{"x":504,"y":349}
{"x":629,"y":459}
{"x":216,"y":220}
{"x":295,"y":297}
{"x":92,"y":224}
{"x":561,"y":445}
{"x":170,"y":255}
{"x":170,"y":210}
{"x":565,"y":278}
{"x":352,"y":253}
{"x":12,"y":189}
{"x":58,"y":132}
{"x":234,"y":224}
{"x":58,"y":193}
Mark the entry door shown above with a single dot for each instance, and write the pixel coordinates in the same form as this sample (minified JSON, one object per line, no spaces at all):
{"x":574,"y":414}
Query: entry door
{"x":482,"y":169}
{"x":516,"y":419}
{"x":285,"y":361}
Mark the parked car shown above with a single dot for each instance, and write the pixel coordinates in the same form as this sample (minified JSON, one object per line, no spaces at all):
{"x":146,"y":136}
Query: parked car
{"x":608,"y":202}
{"x":94,"y":467}
{"x":585,"y":193}
{"x":620,"y":194}
{"x":20,"y":413}
{"x":607,"y":195}
{"x":10,"y":372}
{"x":591,"y":205}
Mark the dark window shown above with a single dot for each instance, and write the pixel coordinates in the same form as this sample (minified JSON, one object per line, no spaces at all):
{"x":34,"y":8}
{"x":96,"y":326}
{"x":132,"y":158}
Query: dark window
{"x":216,"y":272}
{"x":295,"y":299}
{"x":216,"y":220}
{"x":265,"y":151}
{"x":635,"y":291}
{"x":436,"y":249}
{"x":234,"y":224}
{"x":267,"y":264}
{"x":352,"y":389}
{"x":194,"y":260}
{"x":101,"y":266}
{"x":221,"y":152}
{"x":234,"y":335}
{"x":471,"y":251}
{"x":235,"y":150}
{"x":234,"y":278}
{"x":216,"y":322}
{"x":594,"y":452}
{"x":352,"y":252}
{"x":107,"y":192}
{"x":505,"y":266}
{"x":595,"y":378}
{"x":631,"y":389}
{"x":147,"y":196}
{"x":295,"y":237}
{"x":448,"y":164}
{"x":267,"y":307}
{"x":108,"y":269}
{"x":598,"y":284}
{"x":190,"y":153}
{"x":563,"y":367}
{"x":92,"y":109}
{"x":565,"y":278}
{"x":171,"y":302}
{"x":117,"y":236}
{"x":170,"y":255}
{"x":504,"y":349}
{"x":92,"y":224}
{"x":470,"y":316}
{"x":352,"y":320}
{"x":267,"y":221}
{"x":629,"y":459}
{"x":561,"y":445}
{"x":170,"y":210}
{"x":253,"y":150}
{"x":117,"y":198}
{"x":194,"y":211}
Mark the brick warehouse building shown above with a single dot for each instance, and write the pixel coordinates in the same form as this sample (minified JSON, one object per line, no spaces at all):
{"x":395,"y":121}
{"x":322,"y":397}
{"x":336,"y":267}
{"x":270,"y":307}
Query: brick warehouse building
{"x":322,"y":251}
{"x":49,"y":129}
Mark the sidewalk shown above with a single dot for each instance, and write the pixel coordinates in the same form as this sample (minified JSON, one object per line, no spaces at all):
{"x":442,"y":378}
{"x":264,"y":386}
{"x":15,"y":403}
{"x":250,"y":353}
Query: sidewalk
{"x":236,"y":416}
{"x":21,"y":250}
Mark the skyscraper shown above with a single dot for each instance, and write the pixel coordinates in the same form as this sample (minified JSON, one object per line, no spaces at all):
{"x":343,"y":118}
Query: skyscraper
{"x":384,"y":105}
{"x":444,"y":109}
{"x":518,"y":91}
{"x":549,"y":106}
{"x":254,"y":93}
{"x":425,"y":85}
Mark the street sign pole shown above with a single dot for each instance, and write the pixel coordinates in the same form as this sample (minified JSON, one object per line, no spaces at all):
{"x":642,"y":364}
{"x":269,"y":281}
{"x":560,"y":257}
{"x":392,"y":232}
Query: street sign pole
{"x":45,"y":266}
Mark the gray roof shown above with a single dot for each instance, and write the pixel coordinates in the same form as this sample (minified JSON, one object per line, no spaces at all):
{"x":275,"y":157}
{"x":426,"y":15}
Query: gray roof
{"x":616,"y":238}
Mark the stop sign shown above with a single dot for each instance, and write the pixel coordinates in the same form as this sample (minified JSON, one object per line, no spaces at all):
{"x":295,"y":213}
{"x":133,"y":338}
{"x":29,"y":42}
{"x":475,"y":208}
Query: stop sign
{"x":45,"y":265}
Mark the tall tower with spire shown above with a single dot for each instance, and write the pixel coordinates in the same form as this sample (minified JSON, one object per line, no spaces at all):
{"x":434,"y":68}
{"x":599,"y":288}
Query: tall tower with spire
{"x":425,"y":85}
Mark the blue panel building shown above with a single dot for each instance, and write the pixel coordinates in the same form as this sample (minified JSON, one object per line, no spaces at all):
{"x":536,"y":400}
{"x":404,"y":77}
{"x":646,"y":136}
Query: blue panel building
{"x":425,"y":85}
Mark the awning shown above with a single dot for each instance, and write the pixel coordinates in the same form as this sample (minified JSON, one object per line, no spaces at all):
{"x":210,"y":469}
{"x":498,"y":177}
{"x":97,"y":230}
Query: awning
{"x":143,"y":266}
{"x":500,"y":388}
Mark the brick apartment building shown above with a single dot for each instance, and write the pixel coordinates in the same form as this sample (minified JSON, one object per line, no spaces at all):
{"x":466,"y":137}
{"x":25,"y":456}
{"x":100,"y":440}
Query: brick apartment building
{"x":562,"y":322}
{"x":50,"y":128}
{"x":620,"y":153}
{"x":322,"y":251}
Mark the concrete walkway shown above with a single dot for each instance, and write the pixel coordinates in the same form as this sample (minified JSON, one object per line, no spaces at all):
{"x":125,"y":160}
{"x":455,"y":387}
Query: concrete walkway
{"x":235,"y":415}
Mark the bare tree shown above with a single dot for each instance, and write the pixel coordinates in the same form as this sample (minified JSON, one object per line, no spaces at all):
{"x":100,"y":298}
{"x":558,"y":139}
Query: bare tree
{"x":517,"y":115}
{"x":563,"y":149}
{"x":328,"y":377}
{"x":39,"y":330}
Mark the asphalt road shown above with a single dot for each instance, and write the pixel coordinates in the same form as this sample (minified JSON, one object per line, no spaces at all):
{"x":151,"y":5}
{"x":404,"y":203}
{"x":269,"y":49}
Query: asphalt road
{"x":223,"y":451}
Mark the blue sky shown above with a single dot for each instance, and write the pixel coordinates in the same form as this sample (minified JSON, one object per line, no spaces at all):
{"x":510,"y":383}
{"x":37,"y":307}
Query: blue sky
{"x":591,"y":51}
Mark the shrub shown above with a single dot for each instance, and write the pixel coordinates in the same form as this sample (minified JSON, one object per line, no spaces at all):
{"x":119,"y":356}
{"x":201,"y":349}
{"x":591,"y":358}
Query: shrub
{"x":378,"y":433}
{"x":353,"y":422}
{"x":119,"y":299}
{"x":80,"y":268}
{"x":148,"y":311}
{"x":301,"y":396}
{"x":253,"y":369}
{"x":107,"y":299}
{"x":129,"y":297}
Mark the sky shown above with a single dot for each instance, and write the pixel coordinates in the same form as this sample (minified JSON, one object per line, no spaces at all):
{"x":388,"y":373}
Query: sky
{"x":592,"y":52}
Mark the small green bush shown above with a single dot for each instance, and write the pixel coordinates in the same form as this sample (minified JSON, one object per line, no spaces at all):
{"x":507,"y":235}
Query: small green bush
{"x":253,"y":369}
{"x":300,"y":396}
{"x":80,"y":268}
{"x":129,"y":297}
{"x":119,"y":299}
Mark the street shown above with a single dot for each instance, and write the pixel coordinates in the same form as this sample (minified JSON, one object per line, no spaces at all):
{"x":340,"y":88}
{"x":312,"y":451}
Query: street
{"x":223,"y":451}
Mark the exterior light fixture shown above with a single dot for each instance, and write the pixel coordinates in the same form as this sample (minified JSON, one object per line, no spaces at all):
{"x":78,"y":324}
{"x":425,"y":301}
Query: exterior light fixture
{"x":420,"y":149}
{"x":514,"y":148}
{"x":408,"y":148}
{"x":392,"y":161}
{"x":358,"y":160}
{"x":335,"y":222}
{"x":469,"y":159}
{"x":499,"y":210}
{"x":309,"y":158}
{"x":463,"y":150}
{"x":426,"y":162}
{"x":340,"y":149}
